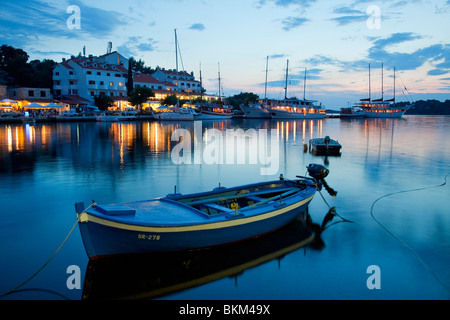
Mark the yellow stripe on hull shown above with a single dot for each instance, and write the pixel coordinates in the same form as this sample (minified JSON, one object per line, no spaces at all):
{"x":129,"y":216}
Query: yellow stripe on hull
{"x":85,"y":218}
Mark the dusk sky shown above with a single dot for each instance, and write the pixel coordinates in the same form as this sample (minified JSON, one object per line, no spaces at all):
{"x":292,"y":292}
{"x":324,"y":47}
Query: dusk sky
{"x":334,"y":41}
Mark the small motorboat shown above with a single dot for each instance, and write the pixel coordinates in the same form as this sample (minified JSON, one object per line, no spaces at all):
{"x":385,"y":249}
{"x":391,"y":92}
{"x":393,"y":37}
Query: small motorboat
{"x":179,"y":222}
{"x":106,"y":117}
{"x":324,"y":146}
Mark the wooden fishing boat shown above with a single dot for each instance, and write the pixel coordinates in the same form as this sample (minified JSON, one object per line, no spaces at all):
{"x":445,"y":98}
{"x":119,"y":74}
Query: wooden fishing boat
{"x":179,"y":222}
{"x":325,"y":146}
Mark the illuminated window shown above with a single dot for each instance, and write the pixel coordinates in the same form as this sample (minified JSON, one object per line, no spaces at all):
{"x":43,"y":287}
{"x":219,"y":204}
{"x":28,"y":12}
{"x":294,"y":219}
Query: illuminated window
{"x":111,"y":84}
{"x":120,"y":84}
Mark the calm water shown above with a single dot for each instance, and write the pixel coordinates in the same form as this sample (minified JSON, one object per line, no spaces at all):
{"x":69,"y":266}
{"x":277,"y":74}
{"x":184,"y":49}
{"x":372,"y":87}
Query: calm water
{"x":46,"y":168}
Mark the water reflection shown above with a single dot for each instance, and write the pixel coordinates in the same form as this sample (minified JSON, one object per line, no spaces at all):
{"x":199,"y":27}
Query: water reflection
{"x":54,"y":165}
{"x":115,"y":144}
{"x":155,"y":275}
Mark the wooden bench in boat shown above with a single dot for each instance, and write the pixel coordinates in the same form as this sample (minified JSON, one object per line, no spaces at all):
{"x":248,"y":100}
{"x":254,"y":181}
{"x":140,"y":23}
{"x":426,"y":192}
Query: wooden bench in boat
{"x":244,"y":195}
{"x":217,"y":207}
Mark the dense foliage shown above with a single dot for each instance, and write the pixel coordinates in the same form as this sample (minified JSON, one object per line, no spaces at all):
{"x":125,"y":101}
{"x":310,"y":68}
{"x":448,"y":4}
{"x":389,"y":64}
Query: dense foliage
{"x":429,"y":107}
{"x":15,"y":69}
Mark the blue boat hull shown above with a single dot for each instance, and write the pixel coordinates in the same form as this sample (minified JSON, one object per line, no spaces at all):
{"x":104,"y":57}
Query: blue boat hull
{"x":169,"y":224}
{"x":103,"y":240}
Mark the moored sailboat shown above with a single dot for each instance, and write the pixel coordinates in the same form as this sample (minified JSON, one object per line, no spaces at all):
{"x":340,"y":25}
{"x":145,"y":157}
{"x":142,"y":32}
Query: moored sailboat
{"x":381,"y":108}
{"x":214,"y":111}
{"x":293,"y":108}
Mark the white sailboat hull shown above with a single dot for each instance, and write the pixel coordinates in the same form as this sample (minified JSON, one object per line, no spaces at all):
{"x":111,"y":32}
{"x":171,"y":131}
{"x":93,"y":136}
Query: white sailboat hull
{"x":213,"y":116}
{"x":281,"y":114}
{"x":174,"y":116}
{"x":384,"y":113}
{"x":255,"y":113}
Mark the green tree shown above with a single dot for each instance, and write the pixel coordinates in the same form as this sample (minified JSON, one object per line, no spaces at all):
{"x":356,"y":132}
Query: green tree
{"x":42,"y":73}
{"x":36,"y":74}
{"x":139,"y":66}
{"x":140,"y":95}
{"x":103,"y":102}
{"x":14,"y":62}
{"x":242,"y":98}
{"x":170,"y":100}
{"x":130,"y":83}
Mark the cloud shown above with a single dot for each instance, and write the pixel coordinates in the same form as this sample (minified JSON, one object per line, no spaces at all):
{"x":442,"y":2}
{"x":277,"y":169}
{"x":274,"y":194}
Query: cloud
{"x":281,"y":83}
{"x":277,"y":56}
{"x":438,"y":55}
{"x":293,"y":22}
{"x":98,"y":22}
{"x":134,"y":45}
{"x":396,"y":38}
{"x":47,"y":53}
{"x":40,"y":19}
{"x":320,"y":60}
{"x":197,"y":26}
{"x":286,"y":3}
{"x":349,"y":15}
{"x":345,"y":20}
{"x":437,"y":72}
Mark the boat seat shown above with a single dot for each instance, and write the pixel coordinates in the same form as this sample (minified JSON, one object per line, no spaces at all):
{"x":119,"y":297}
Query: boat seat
{"x":217,"y":207}
{"x":115,"y":210}
{"x":254,"y":198}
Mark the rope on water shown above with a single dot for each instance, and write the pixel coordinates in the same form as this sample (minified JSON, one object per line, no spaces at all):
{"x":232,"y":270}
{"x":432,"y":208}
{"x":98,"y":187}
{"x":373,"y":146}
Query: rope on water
{"x":400,"y":240}
{"x":45,"y":264}
{"x":332,"y":210}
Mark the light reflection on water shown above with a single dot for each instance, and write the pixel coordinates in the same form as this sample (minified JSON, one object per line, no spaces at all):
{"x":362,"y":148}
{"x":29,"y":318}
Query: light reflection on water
{"x":46,"y":168}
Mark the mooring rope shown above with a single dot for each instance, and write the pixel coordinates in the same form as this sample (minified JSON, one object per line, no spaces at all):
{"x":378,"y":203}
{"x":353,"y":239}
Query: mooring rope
{"x":332,"y":209}
{"x":48,"y":261}
{"x":45,"y":264}
{"x":400,"y":240}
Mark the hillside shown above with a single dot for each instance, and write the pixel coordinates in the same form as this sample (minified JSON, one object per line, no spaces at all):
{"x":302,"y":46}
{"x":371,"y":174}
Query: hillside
{"x":429,"y":107}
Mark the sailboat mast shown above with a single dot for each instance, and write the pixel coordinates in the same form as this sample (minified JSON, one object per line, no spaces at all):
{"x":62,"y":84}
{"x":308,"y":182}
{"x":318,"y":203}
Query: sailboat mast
{"x":176,"y":50}
{"x":176,"y":64}
{"x":265,"y":87}
{"x":218,"y":68}
{"x":394,"y":85}
{"x":304,"y":86}
{"x":285,"y":87}
{"x":201,"y":84}
{"x":370,"y":99}
{"x":382,"y":84}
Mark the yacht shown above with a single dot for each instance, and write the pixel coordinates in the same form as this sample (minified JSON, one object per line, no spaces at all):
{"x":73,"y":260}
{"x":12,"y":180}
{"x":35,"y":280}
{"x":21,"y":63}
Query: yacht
{"x":381,"y":108}
{"x":293,"y":108}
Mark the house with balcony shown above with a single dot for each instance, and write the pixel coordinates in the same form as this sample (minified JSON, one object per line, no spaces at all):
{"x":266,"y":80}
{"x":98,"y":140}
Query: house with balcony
{"x":87,"y":77}
{"x":183,"y":81}
{"x":91,"y":76}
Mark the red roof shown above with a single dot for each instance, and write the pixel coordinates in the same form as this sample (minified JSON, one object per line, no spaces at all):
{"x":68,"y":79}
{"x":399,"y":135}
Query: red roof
{"x":88,"y":63}
{"x":145,"y":78}
{"x":174,"y":72}
{"x":71,"y":99}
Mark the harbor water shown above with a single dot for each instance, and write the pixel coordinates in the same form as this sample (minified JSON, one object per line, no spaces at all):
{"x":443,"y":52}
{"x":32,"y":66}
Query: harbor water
{"x":389,"y":240}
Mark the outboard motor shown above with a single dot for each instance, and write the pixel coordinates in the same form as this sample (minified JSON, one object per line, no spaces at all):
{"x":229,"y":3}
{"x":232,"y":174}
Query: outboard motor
{"x":319,"y":172}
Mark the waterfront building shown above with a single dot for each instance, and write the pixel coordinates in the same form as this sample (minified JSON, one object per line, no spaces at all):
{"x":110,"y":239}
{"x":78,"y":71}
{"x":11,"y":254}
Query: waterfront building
{"x":182,"y":80}
{"x":86,"y":77}
{"x":91,"y":76}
